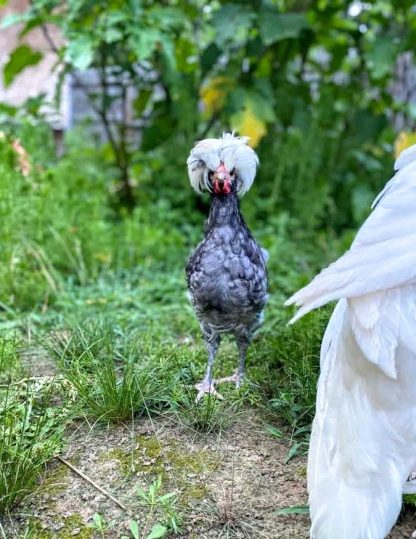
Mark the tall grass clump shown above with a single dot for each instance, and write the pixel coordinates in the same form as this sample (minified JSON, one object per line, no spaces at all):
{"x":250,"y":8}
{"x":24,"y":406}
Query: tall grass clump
{"x":293,"y":355}
{"x":30,"y":435}
{"x":10,"y":366}
{"x":209,"y":416}
{"x":112,"y":380}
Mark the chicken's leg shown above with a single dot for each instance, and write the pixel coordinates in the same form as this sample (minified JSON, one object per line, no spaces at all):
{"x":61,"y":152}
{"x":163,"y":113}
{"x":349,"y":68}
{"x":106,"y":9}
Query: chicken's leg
{"x":207,"y":384}
{"x":243,"y":342}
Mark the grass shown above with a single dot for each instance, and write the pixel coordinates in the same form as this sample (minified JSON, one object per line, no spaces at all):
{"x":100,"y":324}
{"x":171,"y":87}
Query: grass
{"x":210,"y":415}
{"x":10,"y":366}
{"x":127,"y":348}
{"x":112,"y":380}
{"x":30,"y":434}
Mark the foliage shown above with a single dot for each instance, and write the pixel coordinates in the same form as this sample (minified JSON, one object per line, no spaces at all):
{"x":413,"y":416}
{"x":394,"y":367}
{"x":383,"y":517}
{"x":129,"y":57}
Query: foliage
{"x":309,"y":81}
{"x":30,"y":434}
{"x":55,"y":228}
{"x":23,"y":56}
{"x":162,"y":517}
{"x":165,"y":504}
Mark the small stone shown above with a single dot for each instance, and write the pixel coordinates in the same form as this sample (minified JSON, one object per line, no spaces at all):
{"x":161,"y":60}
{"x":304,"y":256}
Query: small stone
{"x":75,"y":531}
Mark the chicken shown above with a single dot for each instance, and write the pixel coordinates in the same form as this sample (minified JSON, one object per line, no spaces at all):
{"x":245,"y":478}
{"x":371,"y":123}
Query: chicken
{"x":226,"y":273}
{"x":363,"y":442}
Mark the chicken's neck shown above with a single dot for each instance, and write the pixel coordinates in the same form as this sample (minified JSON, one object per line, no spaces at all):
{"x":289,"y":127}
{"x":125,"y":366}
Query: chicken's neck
{"x":225,"y":211}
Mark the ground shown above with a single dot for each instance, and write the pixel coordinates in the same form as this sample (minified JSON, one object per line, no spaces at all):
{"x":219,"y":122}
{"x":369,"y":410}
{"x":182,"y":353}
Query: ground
{"x":228,"y":484}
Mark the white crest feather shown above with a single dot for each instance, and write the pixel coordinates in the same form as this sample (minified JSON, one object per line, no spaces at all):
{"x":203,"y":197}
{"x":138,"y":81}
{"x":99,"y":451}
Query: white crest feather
{"x":232,"y":151}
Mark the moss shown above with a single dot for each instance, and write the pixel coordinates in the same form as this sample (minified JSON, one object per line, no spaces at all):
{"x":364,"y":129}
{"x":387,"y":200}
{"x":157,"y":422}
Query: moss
{"x":56,"y":479}
{"x":187,"y":468}
{"x":192,"y":493}
{"x":302,"y":471}
{"x":69,"y":530}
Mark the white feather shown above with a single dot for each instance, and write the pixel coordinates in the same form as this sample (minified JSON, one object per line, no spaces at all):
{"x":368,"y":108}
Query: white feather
{"x":363,"y":442}
{"x":230,"y":150}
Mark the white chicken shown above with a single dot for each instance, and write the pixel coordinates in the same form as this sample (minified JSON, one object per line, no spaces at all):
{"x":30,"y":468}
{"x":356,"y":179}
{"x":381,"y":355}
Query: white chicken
{"x":363,"y":442}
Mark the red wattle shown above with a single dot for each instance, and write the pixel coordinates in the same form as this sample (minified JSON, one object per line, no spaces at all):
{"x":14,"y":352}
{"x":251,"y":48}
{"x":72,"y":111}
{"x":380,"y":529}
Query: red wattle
{"x":226,"y":188}
{"x":222,"y":188}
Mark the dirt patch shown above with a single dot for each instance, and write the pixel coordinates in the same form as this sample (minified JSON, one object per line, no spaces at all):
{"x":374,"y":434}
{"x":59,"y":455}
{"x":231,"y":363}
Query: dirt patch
{"x":227,"y":486}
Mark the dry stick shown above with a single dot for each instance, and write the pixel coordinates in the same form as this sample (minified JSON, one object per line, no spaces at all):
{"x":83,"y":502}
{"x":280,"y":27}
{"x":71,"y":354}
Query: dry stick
{"x":78,"y":472}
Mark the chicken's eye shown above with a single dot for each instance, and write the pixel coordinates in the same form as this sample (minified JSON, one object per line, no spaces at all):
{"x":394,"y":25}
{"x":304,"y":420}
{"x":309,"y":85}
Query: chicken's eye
{"x":232,"y":172}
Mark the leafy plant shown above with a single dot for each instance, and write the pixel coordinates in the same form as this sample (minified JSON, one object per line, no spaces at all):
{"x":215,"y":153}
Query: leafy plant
{"x":99,"y":524}
{"x":169,"y":519}
{"x":30,"y":434}
{"x":314,"y":91}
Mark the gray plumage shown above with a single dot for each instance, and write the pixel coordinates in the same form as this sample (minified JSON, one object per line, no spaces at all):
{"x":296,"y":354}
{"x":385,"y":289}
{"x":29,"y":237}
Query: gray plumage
{"x":226,"y":273}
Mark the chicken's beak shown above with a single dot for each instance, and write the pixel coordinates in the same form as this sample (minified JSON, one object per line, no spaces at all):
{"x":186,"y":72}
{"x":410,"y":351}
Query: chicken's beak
{"x":221,"y":181}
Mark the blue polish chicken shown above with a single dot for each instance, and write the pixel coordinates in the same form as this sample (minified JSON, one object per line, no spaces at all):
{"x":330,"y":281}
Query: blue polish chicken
{"x":226,"y":273}
{"x":363,"y":443}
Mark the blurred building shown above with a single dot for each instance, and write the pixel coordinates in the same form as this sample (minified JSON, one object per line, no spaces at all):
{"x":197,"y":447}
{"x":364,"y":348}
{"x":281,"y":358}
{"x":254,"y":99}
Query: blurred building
{"x":34,"y":80}
{"x":74,"y":106}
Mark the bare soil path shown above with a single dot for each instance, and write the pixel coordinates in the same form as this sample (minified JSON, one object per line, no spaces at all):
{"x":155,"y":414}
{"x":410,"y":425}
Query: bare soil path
{"x":228,"y":485}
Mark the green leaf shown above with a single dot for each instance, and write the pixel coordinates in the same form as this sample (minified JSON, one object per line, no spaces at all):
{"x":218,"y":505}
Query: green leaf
{"x":98,"y":521}
{"x":8,"y":109}
{"x":157,"y":532}
{"x":380,"y":59}
{"x":277,"y":26}
{"x":144,"y":41}
{"x":293,"y":451}
{"x":166,"y":17}
{"x":141,"y":101}
{"x":80,"y":52}
{"x":209,"y":56}
{"x":277,"y":433}
{"x":232,"y":21}
{"x":167,"y":496}
{"x":293,"y":510}
{"x":134,"y":528}
{"x":22,"y":57}
{"x":112,"y":34}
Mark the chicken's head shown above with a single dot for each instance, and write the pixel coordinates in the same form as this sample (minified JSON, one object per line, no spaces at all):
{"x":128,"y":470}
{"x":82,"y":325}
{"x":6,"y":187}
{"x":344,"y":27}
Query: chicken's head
{"x":222,"y":165}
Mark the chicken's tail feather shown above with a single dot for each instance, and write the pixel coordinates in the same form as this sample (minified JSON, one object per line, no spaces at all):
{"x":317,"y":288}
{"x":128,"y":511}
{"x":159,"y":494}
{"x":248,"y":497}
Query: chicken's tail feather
{"x":362,"y":444}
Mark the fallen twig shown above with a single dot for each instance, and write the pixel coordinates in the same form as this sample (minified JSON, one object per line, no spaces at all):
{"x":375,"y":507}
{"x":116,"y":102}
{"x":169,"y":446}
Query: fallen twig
{"x":91,"y":482}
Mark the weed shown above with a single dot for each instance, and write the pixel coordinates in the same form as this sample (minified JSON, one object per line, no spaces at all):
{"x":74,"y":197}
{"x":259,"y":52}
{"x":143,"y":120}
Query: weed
{"x":99,"y":524}
{"x":30,"y":434}
{"x":164,"y":505}
{"x":112,"y":381}
{"x":210,"y":415}
{"x":10,"y":367}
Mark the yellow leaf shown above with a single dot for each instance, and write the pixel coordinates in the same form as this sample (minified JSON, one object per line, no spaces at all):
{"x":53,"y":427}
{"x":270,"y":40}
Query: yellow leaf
{"x":249,"y":125}
{"x":403,"y":140}
{"x":214,"y":92}
{"x":103,"y":257}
